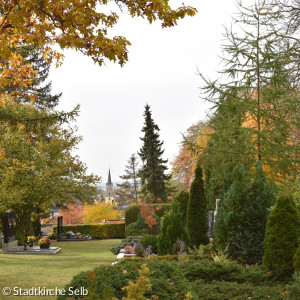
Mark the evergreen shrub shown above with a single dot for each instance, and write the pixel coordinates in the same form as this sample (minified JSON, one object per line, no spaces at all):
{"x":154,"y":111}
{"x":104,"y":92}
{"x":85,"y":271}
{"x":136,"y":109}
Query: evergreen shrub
{"x":282,"y":233}
{"x":172,"y":229}
{"x":165,"y":278}
{"x":197,"y":217}
{"x":131,"y":214}
{"x":152,"y":240}
{"x":296,"y":258}
{"x":183,"y":198}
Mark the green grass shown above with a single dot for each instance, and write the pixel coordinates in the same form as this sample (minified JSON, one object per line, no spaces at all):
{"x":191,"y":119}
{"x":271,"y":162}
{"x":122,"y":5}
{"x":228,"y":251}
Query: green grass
{"x":53,"y":271}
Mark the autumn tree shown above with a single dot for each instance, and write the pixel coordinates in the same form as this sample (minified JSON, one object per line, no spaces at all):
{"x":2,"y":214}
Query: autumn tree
{"x":69,"y":24}
{"x":192,"y":147}
{"x":72,"y":213}
{"x":260,"y":66}
{"x":128,"y":189}
{"x":38,"y":169}
{"x":97,"y":212}
{"x":152,"y":171}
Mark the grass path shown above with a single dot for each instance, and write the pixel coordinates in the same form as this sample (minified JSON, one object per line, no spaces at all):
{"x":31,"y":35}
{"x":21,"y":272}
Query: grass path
{"x":53,"y":271}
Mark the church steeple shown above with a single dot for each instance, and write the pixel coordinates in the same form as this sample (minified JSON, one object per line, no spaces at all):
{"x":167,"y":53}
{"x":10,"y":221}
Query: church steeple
{"x":109,"y":178}
{"x":109,"y":197}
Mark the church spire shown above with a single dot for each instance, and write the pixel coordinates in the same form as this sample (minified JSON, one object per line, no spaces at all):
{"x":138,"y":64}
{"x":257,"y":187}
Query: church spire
{"x":109,"y":177}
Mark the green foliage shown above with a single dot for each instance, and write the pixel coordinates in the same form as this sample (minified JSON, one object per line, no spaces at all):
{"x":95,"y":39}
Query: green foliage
{"x":183,"y":198}
{"x":220,"y":290}
{"x":131,"y":214}
{"x":130,"y":241}
{"x":242,"y":217}
{"x":152,"y":172}
{"x":165,"y":278}
{"x":197,"y":219}
{"x":152,"y":240}
{"x":96,"y":231}
{"x":293,"y":289}
{"x":282,"y":233}
{"x":172,"y":229}
{"x":296,"y":258}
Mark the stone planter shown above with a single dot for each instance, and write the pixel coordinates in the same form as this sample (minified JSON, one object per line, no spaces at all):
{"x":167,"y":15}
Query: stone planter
{"x":45,"y":246}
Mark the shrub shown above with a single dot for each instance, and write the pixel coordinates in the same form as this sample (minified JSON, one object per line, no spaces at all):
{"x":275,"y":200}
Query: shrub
{"x":131,"y":214}
{"x":296,"y":258}
{"x":293,"y":289}
{"x":172,"y":229}
{"x":132,"y":211}
{"x":130,"y":241}
{"x":152,"y":240}
{"x":165,"y":277}
{"x":96,"y":231}
{"x":183,"y":198}
{"x":242,"y":216}
{"x":282,"y":233}
{"x":197,"y":220}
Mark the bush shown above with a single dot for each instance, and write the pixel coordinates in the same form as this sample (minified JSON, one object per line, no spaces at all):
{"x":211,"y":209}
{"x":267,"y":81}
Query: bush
{"x":296,"y":258}
{"x":165,"y":277}
{"x":96,"y":231}
{"x":99,"y":211}
{"x":242,"y":217}
{"x":130,"y":241}
{"x":282,"y":233}
{"x":148,"y":240}
{"x":293,"y":289}
{"x":172,"y":229}
{"x":131,"y":214}
{"x":183,"y":198}
{"x":132,"y":211}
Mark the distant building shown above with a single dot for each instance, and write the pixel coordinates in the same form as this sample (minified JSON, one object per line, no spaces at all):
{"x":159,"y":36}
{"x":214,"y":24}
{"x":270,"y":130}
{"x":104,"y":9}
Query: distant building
{"x":109,"y":195}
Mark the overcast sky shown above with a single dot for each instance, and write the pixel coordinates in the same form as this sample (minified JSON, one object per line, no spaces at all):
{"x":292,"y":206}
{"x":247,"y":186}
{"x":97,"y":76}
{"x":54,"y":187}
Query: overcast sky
{"x":161,"y":71}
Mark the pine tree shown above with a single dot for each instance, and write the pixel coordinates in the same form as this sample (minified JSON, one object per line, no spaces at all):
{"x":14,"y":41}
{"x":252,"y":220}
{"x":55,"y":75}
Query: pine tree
{"x":282,"y":233}
{"x":128,"y":189}
{"x":152,"y":172}
{"x":242,"y":217}
{"x":197,"y":218}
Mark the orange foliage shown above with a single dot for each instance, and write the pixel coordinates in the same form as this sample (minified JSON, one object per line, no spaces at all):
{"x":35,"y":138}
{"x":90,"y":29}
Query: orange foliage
{"x":196,"y":139}
{"x":73,"y":214}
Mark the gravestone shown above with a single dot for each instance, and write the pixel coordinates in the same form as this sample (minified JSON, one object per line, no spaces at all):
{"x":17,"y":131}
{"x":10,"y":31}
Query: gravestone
{"x":60,"y":230}
{"x":211,"y":221}
{"x":9,"y":228}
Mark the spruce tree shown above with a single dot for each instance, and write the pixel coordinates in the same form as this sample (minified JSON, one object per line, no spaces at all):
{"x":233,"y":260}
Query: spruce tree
{"x":127,"y":192}
{"x":197,"y":218}
{"x":152,"y":172}
{"x":282,"y":233}
{"x":38,"y":89}
{"x":242,"y":217}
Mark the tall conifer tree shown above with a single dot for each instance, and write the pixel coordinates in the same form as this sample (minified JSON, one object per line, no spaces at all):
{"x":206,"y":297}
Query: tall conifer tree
{"x":152,"y":172}
{"x":197,"y":218}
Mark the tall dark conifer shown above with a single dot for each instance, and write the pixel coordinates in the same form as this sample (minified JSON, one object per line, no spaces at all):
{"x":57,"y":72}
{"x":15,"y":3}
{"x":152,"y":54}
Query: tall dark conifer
{"x":197,"y":219}
{"x":152,"y":172}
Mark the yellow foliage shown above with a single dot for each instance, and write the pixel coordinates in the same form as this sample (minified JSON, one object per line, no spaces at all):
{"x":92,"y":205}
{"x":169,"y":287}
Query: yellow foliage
{"x":137,"y":290}
{"x":99,"y":211}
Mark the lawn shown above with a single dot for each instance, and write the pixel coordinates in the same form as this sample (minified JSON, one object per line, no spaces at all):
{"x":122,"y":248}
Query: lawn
{"x":53,"y":271}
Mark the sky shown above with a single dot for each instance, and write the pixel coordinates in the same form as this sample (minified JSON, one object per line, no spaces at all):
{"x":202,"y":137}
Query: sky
{"x":161,"y":71}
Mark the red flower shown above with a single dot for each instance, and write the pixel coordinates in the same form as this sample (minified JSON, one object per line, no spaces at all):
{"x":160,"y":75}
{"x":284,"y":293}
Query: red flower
{"x":92,"y":275}
{"x":135,"y":267}
{"x":149,"y":264}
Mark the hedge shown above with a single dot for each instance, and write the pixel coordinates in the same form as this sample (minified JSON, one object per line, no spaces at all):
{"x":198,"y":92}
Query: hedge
{"x":131,"y":212}
{"x":96,"y":231}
